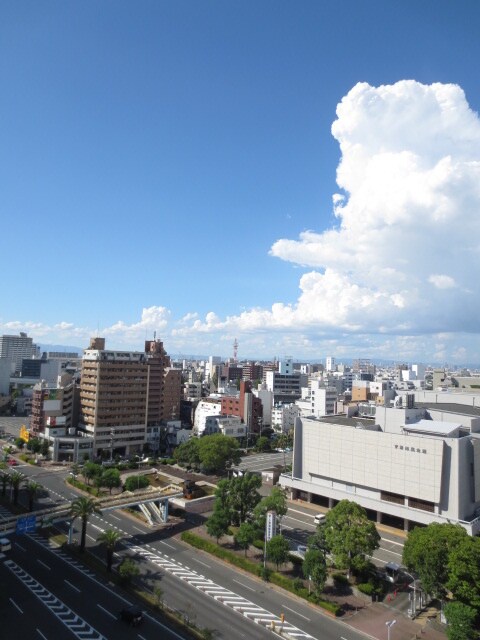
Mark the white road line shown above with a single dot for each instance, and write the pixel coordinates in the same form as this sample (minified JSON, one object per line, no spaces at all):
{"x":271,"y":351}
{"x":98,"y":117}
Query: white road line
{"x":141,"y":637}
{"x":138,"y":529}
{"x":15,"y":605}
{"x":109,"y":613}
{"x":44,"y":565}
{"x":297,"y":511}
{"x":296,"y":613}
{"x":168,"y":545}
{"x":72,"y":586}
{"x":400,"y":544}
{"x":301,"y":521}
{"x":204,"y":563}
{"x":245,"y":585}
{"x":41,"y":634}
{"x":91,"y":538}
{"x":115,"y":517}
{"x":97,"y":527}
{"x":20,"y":546}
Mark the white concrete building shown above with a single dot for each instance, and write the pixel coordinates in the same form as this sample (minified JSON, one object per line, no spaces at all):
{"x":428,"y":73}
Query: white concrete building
{"x":283,"y":417}
{"x":227,"y":425}
{"x":317,"y":400}
{"x":330,"y":364}
{"x":407,"y":466}
{"x":205,"y":408}
{"x":266,"y":398}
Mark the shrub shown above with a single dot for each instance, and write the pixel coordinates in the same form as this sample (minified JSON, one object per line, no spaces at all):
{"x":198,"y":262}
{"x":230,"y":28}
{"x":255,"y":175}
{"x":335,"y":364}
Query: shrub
{"x":258,"y":544}
{"x":297,"y":584}
{"x":367,"y":588}
{"x":340,"y":579}
{"x":264,"y":572}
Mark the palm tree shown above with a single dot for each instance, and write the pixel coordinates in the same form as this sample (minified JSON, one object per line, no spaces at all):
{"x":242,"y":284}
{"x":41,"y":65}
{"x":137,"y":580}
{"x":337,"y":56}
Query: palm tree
{"x":32,"y":488}
{"x":15,"y":479}
{"x":4,"y":480}
{"x":109,"y":538}
{"x":83,"y":508}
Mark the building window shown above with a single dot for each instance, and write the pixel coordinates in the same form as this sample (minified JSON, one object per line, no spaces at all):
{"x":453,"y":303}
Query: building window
{"x":392,"y":497}
{"x":424,"y":505}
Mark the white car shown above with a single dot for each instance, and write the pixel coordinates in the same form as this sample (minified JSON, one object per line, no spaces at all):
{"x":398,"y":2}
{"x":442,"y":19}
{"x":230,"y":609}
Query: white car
{"x":319,"y":518}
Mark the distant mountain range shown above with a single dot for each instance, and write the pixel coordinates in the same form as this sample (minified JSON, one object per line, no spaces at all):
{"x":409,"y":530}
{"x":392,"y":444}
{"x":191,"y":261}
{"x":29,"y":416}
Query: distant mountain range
{"x":60,"y":347}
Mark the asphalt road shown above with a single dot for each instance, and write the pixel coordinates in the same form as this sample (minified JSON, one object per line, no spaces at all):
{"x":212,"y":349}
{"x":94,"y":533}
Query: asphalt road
{"x":207,"y":591}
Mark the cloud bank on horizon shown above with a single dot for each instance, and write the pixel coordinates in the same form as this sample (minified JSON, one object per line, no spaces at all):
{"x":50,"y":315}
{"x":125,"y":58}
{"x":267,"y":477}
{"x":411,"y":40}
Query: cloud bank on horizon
{"x":402,"y":257}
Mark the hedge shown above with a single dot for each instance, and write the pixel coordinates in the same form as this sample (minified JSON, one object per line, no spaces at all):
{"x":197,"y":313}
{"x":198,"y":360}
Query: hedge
{"x":290,"y":584}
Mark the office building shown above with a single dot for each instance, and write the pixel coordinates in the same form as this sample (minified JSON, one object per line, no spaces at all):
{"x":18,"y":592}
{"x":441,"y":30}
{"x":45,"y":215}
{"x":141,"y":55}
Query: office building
{"x":16,"y":348}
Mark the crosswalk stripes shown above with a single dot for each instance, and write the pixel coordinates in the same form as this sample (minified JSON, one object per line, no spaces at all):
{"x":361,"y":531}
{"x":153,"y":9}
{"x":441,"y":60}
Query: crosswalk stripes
{"x":228,"y":598}
{"x":79,"y":627}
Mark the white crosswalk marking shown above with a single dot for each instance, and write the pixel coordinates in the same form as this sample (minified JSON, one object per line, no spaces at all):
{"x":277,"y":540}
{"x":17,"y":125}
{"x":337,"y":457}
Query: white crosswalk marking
{"x":228,"y":598}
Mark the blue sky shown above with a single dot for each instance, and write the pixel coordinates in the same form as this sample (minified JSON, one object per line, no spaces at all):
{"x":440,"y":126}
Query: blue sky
{"x":160,"y":161}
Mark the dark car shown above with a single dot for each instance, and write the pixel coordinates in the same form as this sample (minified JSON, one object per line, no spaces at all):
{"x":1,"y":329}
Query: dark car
{"x":132,"y":615}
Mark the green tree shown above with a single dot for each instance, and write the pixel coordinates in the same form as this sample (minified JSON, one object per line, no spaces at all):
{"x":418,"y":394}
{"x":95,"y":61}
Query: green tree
{"x":318,"y":540}
{"x":19,"y":443}
{"x":127,"y":571}
{"x":262,"y":444}
{"x":83,"y":508}
{"x":276,"y":501}
{"x":245,"y":535}
{"x":315,"y":569}
{"x":45,"y":448}
{"x":217,"y":525}
{"x":464,"y":572}
{"x":243,"y":496}
{"x":217,"y":453}
{"x":278,"y":550}
{"x":15,"y":479}
{"x":461,"y":620}
{"x":111,"y":479}
{"x":427,"y":550}
{"x":188,"y":453}
{"x":32,"y":488}
{"x":34,"y":445}
{"x":136,"y":482}
{"x":91,"y":471}
{"x":109,"y":538}
{"x":350,"y":535}
{"x":222,"y":493}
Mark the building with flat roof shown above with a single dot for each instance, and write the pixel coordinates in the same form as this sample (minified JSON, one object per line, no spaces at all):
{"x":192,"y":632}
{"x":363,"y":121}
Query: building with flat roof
{"x":409,"y":465}
{"x":16,"y":348}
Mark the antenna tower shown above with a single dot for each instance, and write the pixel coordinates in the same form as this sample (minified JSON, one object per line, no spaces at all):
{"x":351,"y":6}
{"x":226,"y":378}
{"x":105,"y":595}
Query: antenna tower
{"x":235,"y":350}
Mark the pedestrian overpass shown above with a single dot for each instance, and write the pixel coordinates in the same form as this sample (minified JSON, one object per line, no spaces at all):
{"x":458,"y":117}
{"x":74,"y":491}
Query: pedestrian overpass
{"x":152,"y":502}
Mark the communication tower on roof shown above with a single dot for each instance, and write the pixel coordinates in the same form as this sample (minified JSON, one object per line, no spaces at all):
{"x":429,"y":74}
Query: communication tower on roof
{"x":235,"y":350}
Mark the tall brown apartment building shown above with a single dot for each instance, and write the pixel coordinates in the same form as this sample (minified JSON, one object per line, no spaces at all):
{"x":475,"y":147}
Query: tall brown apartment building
{"x":121,"y":392}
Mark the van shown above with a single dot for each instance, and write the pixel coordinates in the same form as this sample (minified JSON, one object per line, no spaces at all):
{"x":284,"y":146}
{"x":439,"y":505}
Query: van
{"x":319,"y":518}
{"x":5,"y":544}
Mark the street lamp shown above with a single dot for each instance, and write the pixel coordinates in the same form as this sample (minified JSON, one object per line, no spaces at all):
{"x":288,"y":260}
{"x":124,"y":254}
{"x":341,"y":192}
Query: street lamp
{"x":413,"y":610}
{"x":389,"y":624}
{"x":112,"y":437}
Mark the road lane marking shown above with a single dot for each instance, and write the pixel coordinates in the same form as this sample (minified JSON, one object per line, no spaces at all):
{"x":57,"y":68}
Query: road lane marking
{"x":20,"y":546}
{"x":245,"y":585}
{"x":138,"y":529}
{"x":41,"y":634}
{"x":400,"y":544}
{"x":15,"y":605}
{"x":109,"y":613}
{"x":43,"y":564}
{"x":91,"y":538}
{"x":204,"y":563}
{"x":72,"y":586}
{"x":168,"y":545}
{"x":296,"y":613}
{"x":116,"y":517}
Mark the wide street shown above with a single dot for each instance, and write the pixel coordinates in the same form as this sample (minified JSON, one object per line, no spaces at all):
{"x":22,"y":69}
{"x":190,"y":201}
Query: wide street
{"x":205,"y":590}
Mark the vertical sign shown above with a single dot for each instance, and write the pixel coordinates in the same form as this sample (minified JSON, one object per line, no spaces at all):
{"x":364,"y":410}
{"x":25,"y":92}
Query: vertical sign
{"x":270,"y":525}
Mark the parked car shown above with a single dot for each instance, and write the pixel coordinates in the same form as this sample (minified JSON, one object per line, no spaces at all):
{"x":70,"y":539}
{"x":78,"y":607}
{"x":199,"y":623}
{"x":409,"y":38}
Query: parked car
{"x":12,"y":462}
{"x":319,"y":518}
{"x":5,"y":544}
{"x":132,"y":615}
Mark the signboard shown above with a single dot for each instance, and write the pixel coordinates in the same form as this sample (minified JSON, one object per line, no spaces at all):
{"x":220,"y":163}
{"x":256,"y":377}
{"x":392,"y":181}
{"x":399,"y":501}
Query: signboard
{"x":26,"y":524}
{"x":270,"y":525}
{"x":24,"y":435}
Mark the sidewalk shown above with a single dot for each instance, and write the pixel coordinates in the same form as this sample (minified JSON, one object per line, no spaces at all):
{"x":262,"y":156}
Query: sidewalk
{"x":372,"y":621}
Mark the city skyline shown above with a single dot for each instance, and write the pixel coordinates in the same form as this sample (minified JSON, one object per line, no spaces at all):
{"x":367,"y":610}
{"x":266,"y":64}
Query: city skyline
{"x":303,"y":179}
